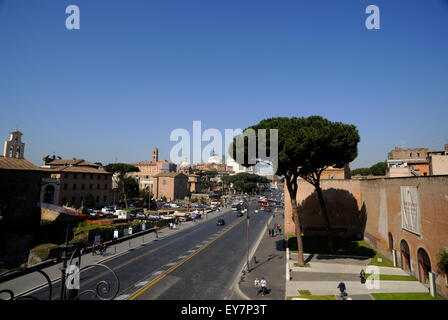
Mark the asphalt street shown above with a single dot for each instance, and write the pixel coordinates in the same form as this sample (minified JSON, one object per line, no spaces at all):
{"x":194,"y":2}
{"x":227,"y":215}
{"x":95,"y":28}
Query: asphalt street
{"x":201,"y":262}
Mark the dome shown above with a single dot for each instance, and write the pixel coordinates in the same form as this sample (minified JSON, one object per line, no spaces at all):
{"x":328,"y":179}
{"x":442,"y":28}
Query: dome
{"x":185,"y":164}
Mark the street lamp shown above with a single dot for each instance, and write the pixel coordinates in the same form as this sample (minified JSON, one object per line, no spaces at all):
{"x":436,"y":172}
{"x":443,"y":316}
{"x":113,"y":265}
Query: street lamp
{"x":247,"y":237}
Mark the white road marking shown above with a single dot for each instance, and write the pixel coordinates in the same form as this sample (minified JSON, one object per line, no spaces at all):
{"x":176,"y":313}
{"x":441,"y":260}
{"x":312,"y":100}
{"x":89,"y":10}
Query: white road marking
{"x":141,"y":284}
{"x":169,"y":265}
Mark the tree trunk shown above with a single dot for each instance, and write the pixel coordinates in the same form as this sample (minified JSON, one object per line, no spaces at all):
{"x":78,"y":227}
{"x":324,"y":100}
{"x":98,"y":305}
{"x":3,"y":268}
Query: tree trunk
{"x":125,"y":197}
{"x":325,"y":214}
{"x":292,"y":189}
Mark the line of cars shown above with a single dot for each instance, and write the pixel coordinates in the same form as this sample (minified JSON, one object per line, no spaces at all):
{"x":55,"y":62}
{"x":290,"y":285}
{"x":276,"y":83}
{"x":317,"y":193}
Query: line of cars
{"x":114,"y":212}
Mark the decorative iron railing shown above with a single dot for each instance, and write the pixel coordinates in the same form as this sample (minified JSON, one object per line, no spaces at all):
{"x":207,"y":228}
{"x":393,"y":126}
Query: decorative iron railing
{"x":70,"y":280}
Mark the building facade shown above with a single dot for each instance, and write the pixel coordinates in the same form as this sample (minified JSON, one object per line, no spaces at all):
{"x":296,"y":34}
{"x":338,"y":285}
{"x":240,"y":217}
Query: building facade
{"x":68,"y":181}
{"x":406,"y":219}
{"x":150,"y":168}
{"x":172,"y":185}
{"x":20,"y":183}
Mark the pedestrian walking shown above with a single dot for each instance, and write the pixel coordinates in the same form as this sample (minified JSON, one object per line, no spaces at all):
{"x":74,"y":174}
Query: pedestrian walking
{"x":362,"y":275}
{"x":342,"y":288}
{"x":257,"y":286}
{"x":263,"y":286}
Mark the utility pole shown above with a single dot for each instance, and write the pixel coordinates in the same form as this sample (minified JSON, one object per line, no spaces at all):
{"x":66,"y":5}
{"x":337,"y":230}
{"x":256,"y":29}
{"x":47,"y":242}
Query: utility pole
{"x":247,"y":234}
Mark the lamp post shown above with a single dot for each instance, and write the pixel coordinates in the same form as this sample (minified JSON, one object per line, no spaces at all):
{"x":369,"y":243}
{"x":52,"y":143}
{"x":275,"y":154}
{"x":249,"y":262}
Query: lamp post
{"x":247,"y":236}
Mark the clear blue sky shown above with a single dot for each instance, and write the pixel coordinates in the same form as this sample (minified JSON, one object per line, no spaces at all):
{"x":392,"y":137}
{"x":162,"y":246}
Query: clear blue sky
{"x":138,"y":69}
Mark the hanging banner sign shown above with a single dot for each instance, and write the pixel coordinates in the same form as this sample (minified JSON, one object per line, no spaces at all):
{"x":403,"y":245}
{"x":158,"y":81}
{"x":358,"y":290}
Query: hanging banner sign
{"x":410,"y":210}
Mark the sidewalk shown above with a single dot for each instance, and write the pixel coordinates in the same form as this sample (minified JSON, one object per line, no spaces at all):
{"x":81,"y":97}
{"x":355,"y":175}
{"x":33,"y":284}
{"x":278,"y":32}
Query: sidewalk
{"x":32,"y":281}
{"x":324,"y":274}
{"x":271,"y":259}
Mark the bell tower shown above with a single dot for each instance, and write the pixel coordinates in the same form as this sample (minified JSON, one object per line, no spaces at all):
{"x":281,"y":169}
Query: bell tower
{"x":155,"y":154}
{"x":14,"y":148}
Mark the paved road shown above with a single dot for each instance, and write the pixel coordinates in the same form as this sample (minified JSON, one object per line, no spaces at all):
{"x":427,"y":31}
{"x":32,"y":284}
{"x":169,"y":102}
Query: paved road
{"x":213,"y":271}
{"x":195,"y":263}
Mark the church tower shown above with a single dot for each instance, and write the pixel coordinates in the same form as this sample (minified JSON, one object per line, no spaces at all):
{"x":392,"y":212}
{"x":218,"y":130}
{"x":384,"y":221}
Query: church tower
{"x":14,"y":148}
{"x":155,"y":155}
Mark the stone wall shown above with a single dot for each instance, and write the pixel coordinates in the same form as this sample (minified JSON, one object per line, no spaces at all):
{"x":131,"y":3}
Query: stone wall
{"x":379,"y":201}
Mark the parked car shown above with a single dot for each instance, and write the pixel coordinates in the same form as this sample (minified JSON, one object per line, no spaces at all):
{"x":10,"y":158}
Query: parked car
{"x":239,"y":214}
{"x":140,"y":215}
{"x":220,"y":222}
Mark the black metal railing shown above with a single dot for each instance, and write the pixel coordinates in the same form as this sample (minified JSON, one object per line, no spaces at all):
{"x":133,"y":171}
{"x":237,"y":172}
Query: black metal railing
{"x":70,"y":280}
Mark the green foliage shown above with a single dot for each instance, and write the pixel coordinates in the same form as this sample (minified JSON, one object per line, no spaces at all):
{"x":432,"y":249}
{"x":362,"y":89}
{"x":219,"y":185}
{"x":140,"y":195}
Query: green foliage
{"x":404,"y":296}
{"x":378,"y":169}
{"x":245,"y":182}
{"x":121,"y":169}
{"x":211,"y":173}
{"x":442,"y":260}
{"x":310,"y":144}
{"x":129,"y":185}
{"x":361,"y":171}
{"x":88,"y":201}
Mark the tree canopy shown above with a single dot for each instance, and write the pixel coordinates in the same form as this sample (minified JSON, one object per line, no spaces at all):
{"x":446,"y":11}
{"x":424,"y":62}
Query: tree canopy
{"x":305,"y":148}
{"x":378,"y":169}
{"x":244,"y":182}
{"x":121,"y":170}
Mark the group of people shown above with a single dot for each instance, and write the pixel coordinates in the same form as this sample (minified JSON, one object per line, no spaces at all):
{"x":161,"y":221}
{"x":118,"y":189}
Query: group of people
{"x":100,"y":247}
{"x":261,"y":286}
{"x":275,"y":230}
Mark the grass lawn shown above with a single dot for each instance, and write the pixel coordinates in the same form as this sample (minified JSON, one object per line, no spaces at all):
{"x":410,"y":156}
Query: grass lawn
{"x":328,"y":297}
{"x":343,"y":247}
{"x":394,"y":277}
{"x":306,"y":294}
{"x":382,"y":262}
{"x":403,"y":296}
{"x":296,"y":264}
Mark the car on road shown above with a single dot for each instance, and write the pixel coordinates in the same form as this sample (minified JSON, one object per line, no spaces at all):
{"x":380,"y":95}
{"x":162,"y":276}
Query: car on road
{"x":140,"y":215}
{"x":239,"y":214}
{"x":220,"y":222}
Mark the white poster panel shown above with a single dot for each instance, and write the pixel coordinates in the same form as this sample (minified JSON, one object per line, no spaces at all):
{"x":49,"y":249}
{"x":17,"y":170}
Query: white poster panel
{"x":410,"y":210}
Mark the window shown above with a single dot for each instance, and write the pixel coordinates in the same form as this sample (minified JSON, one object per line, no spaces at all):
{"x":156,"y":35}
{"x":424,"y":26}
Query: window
{"x":105,"y":198}
{"x":74,"y":186}
{"x":410,"y":154}
{"x":98,"y":186}
{"x":99,"y":176}
{"x":97,"y":198}
{"x":64,"y":201}
{"x":65,"y":186}
{"x":75,"y":175}
{"x":83,"y":175}
{"x":83,"y":186}
{"x":164,"y":182}
{"x":91,"y":176}
{"x":73,"y":200}
{"x":91,"y":186}
{"x":105,"y":186}
{"x":418,"y":154}
{"x":331,"y":176}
